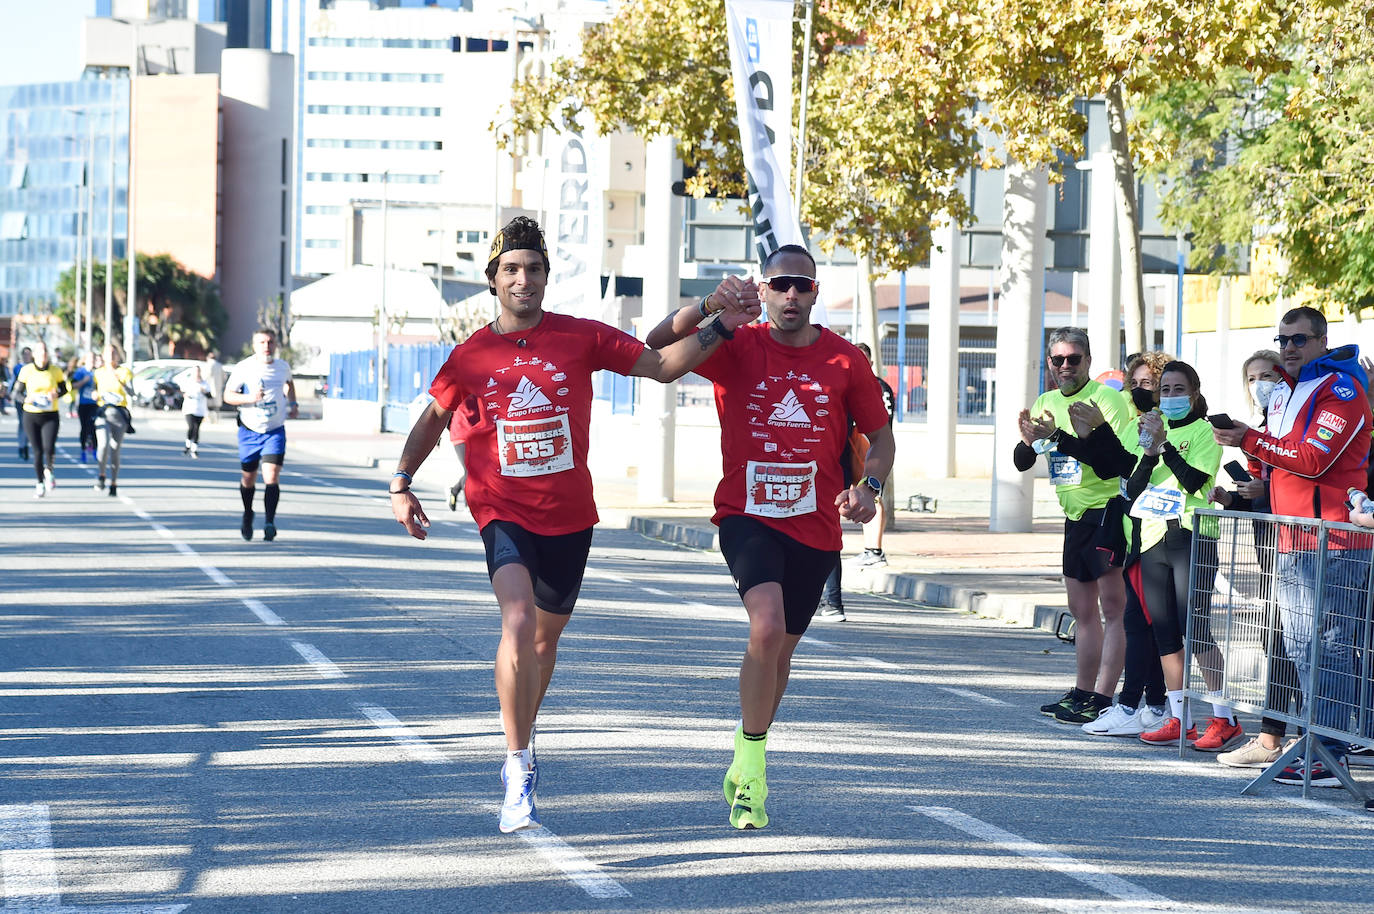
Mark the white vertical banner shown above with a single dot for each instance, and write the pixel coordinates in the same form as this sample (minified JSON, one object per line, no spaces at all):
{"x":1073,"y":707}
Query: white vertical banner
{"x":760,"y":36}
{"x":575,"y":201}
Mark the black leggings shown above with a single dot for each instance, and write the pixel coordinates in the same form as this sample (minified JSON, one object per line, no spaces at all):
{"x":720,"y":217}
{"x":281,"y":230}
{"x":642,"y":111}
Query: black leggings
{"x":87,"y":412}
{"x":193,"y":428}
{"x":1144,"y":674}
{"x":41,"y":430}
{"x":1164,"y":596}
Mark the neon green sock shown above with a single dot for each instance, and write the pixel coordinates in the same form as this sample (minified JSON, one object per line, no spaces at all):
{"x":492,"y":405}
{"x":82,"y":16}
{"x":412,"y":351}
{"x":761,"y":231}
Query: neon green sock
{"x":750,"y":752}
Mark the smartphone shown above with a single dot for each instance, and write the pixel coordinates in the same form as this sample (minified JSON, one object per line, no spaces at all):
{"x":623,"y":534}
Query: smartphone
{"x":1221,"y":420}
{"x":1237,"y":472}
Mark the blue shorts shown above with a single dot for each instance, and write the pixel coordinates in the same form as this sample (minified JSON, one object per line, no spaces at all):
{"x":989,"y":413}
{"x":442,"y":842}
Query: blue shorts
{"x":261,"y":447}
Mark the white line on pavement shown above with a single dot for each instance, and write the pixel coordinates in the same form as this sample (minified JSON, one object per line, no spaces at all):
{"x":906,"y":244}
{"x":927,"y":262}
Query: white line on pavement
{"x":27,"y":858}
{"x":576,"y":867}
{"x":880,"y":664}
{"x":260,"y":609}
{"x":816,"y":641}
{"x":322,"y":664}
{"x":656,"y":592}
{"x":1128,"y":897}
{"x":976,"y":696}
{"x":416,"y":748}
{"x":1326,"y":809}
{"x":1051,"y":859}
{"x":30,"y":868}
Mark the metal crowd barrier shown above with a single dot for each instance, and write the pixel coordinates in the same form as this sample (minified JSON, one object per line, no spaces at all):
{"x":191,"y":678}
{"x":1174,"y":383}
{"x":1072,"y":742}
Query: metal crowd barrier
{"x":1281,"y":622}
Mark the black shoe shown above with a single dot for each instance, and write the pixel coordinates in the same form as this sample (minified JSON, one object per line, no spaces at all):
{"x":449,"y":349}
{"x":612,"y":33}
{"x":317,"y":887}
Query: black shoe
{"x":114,"y":490}
{"x":100,"y":483}
{"x":1083,"y":711}
{"x":23,"y":453}
{"x":1063,"y":701}
{"x":453,"y":494}
{"x":269,"y":531}
{"x":246,"y":528}
{"x":832,"y":613}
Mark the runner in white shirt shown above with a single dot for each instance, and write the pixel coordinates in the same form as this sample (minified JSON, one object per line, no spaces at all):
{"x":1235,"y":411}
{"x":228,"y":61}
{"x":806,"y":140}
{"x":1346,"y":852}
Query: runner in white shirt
{"x":262,"y":389}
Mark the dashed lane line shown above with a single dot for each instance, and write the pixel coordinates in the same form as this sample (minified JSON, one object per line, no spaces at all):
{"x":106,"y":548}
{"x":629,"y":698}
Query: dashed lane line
{"x":1126,"y":895}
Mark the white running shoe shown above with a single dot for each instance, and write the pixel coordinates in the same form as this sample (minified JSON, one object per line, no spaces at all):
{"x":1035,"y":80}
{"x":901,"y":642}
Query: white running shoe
{"x":518,"y":810}
{"x":1116,"y":721}
{"x":1152,"y":718}
{"x":49,"y":481}
{"x":38,"y":490}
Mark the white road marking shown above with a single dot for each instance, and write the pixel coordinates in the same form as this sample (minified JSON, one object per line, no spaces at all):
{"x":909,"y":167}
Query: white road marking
{"x":322,"y":664}
{"x":816,"y":641}
{"x":416,"y":748}
{"x":576,"y":867}
{"x":976,"y":696}
{"x":1128,"y":896}
{"x":27,"y":858}
{"x":1349,"y":815}
{"x":656,"y":592}
{"x":1051,"y":859}
{"x":259,"y":609}
{"x":163,"y":531}
{"x":217,"y":576}
{"x":880,"y":664}
{"x":30,"y":868}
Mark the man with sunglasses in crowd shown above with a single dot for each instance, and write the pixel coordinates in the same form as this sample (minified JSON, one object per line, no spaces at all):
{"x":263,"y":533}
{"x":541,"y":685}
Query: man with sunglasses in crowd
{"x":1317,"y":443}
{"x":784,"y":393}
{"x":1090,"y":578}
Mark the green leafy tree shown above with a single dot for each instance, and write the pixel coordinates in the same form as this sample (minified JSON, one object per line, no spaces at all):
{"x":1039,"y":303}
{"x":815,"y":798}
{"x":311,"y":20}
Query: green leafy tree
{"x":1285,"y":156}
{"x":177,"y":310}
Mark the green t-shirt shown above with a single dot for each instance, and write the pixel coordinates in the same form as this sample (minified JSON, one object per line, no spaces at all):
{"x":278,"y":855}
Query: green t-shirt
{"x":1165,"y":498}
{"x":1078,"y":487}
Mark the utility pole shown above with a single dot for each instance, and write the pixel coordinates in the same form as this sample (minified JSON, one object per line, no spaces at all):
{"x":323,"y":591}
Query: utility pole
{"x":131,"y":249}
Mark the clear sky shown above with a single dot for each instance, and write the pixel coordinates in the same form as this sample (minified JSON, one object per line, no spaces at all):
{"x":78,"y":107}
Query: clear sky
{"x":41,"y":40}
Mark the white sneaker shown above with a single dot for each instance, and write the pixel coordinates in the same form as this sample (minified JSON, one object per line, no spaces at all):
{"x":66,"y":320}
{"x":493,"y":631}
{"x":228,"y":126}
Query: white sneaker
{"x":1152,"y":718}
{"x":1116,"y":721}
{"x":39,"y":490}
{"x":49,"y":482}
{"x":518,"y":810}
{"x":872,"y":558}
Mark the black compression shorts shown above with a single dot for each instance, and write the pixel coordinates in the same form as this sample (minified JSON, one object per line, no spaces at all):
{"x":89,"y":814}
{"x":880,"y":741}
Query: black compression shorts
{"x":555,"y":563}
{"x":1083,"y":561}
{"x":758,"y":554}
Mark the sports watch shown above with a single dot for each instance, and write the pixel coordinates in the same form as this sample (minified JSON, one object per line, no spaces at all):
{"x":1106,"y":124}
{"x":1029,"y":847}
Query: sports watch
{"x":874,"y":483}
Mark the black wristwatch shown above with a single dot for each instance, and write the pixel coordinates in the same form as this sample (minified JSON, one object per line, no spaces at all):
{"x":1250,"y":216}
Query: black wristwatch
{"x":874,"y":483}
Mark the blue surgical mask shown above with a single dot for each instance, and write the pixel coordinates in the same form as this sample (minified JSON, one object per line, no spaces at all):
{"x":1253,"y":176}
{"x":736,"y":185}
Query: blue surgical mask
{"x":1262,"y":391}
{"x":1175,"y":407}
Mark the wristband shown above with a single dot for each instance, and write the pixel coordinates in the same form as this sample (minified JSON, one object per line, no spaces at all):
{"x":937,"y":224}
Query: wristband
{"x":293,"y":404}
{"x":704,"y":311}
{"x":399,"y":491}
{"x":401,"y":473}
{"x":717,"y":326}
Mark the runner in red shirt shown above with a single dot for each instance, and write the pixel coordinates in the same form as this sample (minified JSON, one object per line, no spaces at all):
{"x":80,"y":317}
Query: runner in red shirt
{"x":528,"y":485}
{"x":784,"y":391}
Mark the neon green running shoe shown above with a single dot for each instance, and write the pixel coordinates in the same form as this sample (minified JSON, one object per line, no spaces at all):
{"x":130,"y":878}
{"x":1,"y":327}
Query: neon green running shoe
{"x":732,"y":773}
{"x":747,"y":810}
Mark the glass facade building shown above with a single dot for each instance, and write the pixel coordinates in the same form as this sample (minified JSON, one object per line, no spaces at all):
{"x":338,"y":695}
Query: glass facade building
{"x":45,"y":132}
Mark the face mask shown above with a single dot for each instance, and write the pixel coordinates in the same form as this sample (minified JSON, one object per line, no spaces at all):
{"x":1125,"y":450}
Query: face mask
{"x":1143,"y":399}
{"x":1261,"y":391}
{"x":1175,"y":407}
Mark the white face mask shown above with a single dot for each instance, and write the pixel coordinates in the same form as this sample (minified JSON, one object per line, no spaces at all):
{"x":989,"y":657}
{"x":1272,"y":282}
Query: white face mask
{"x":1261,"y":391}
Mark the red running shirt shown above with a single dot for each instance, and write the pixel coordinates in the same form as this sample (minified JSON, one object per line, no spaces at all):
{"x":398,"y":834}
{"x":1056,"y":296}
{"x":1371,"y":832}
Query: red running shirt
{"x":527,"y":448}
{"x":784,"y":418}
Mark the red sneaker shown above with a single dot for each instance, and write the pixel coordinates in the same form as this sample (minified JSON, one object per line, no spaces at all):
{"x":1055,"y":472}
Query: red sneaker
{"x":1218,"y":735}
{"x":1168,"y":733}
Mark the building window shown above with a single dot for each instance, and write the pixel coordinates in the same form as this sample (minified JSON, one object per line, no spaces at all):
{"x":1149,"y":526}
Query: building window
{"x":354,"y":177}
{"x":430,"y":43}
{"x":355,"y":76}
{"x":328,"y":243}
{"x":373,"y":110}
{"x":324,"y":210}
{"x":374,"y":144}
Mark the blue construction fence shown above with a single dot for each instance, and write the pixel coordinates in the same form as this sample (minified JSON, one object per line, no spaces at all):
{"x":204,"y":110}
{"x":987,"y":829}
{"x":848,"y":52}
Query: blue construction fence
{"x":411,"y":367}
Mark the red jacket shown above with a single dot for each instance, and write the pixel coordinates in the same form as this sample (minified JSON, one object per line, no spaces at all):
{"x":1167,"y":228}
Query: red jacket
{"x":1317,"y":445}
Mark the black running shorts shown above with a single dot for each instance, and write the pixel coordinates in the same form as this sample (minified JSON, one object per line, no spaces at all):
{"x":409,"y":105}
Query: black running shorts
{"x":758,"y":554}
{"x":555,"y":563}
{"x":1083,"y":561}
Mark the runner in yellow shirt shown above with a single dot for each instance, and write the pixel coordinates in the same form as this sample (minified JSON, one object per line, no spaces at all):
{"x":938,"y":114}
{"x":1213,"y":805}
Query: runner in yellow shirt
{"x":113,"y":384}
{"x":40,"y":387}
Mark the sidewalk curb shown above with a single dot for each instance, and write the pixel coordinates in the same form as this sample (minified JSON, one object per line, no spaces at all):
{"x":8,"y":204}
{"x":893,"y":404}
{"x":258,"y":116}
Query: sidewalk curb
{"x":1013,"y":608}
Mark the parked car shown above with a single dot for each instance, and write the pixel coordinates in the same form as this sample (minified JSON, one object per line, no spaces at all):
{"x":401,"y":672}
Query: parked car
{"x":148,"y":374}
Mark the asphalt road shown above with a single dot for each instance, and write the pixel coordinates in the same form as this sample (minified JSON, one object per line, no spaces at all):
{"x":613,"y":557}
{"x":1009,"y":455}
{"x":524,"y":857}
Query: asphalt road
{"x":193,"y":722}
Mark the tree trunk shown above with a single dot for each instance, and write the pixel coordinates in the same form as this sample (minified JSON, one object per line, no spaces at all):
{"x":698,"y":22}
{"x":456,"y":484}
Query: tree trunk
{"x":1139,"y":331}
{"x":867,"y":303}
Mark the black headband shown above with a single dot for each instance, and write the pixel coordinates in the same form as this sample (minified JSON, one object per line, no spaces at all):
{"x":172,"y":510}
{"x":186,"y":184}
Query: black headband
{"x":501,"y":244}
